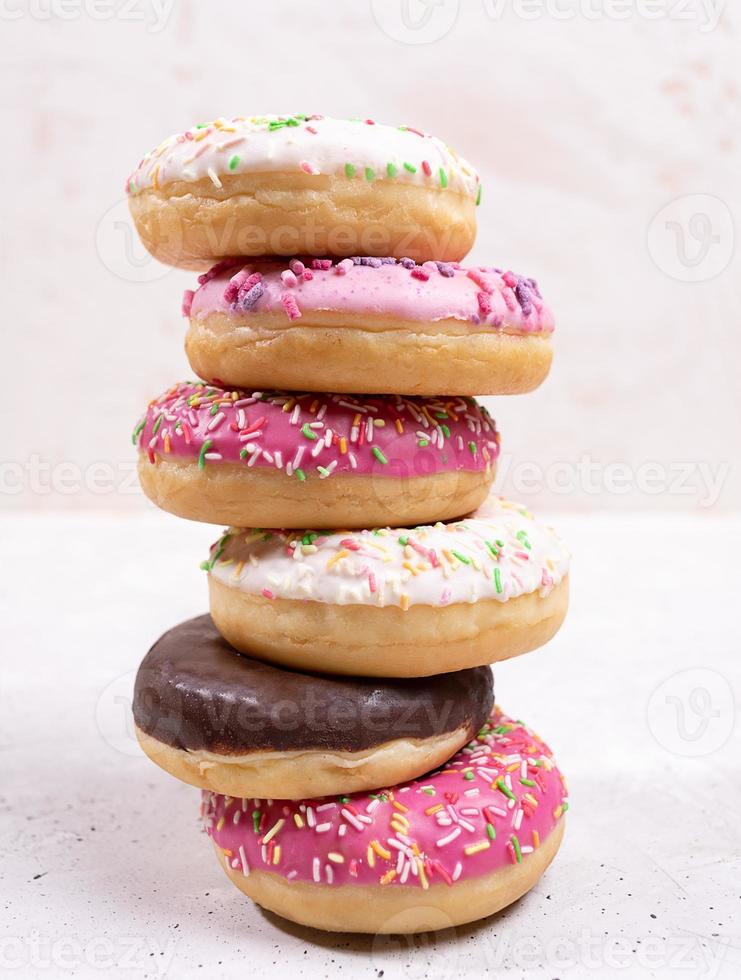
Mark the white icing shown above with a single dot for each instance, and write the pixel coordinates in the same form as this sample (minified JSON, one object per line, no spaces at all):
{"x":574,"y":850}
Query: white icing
{"x":248,"y":145}
{"x":442,"y":564}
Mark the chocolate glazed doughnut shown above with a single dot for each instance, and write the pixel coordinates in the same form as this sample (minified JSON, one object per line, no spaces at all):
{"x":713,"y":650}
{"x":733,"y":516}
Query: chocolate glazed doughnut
{"x":221,"y":721}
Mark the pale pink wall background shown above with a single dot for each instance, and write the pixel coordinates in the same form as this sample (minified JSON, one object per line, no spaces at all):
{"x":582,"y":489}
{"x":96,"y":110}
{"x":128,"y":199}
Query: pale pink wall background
{"x":610,"y":154}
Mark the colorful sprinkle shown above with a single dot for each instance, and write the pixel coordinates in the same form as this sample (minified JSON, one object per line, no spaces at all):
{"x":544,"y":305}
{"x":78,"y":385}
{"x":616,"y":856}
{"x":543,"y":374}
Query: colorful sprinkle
{"x":432,"y":565}
{"x":224,"y":145}
{"x":299,"y":431}
{"x":202,"y":454}
{"x":475,"y":295}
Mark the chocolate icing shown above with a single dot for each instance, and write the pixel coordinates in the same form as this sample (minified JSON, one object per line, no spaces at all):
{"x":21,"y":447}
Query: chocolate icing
{"x":195,"y":691}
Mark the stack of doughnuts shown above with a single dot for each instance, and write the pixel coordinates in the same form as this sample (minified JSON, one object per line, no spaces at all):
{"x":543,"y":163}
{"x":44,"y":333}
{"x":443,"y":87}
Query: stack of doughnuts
{"x":336,"y":706}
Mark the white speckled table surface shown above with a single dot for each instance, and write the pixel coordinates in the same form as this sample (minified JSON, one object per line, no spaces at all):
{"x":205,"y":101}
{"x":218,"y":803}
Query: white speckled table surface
{"x":102,"y":866}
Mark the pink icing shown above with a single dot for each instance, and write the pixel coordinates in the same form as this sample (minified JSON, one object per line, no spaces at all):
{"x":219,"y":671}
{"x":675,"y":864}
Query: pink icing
{"x":495,"y":802}
{"x":400,"y":290}
{"x":324,"y":434}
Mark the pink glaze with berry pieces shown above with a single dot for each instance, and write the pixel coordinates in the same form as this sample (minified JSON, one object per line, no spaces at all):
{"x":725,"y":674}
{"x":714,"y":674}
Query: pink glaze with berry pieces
{"x":303,"y":434}
{"x":495,"y":802}
{"x":362,"y":286}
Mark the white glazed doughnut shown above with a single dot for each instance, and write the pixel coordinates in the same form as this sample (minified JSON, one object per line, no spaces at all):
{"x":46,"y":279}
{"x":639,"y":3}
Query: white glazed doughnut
{"x":406,"y":602}
{"x":367,"y":325}
{"x":448,"y":848}
{"x":289,"y":185}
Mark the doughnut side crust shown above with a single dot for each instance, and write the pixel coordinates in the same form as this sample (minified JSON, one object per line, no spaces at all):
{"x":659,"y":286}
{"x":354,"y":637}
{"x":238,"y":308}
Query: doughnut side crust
{"x":293,"y":775}
{"x":236,"y":495}
{"x":386,"y":642}
{"x":192,"y":224}
{"x":366,"y":354}
{"x":399,"y":910}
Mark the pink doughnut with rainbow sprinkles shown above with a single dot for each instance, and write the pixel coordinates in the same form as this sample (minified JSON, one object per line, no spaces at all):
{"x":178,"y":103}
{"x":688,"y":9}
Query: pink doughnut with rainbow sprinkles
{"x":276,"y":459}
{"x":447,"y":848}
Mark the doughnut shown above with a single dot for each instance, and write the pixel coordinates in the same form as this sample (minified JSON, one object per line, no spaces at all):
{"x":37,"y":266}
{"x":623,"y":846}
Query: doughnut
{"x":276,"y":459}
{"x":448,"y":848}
{"x":406,"y":602}
{"x":366,"y":324}
{"x":287,"y":185}
{"x":224,"y":722}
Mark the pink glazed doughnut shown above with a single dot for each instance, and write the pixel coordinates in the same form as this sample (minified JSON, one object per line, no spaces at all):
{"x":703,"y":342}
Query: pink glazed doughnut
{"x":300,"y":184}
{"x":445,"y":849}
{"x":368,"y":324}
{"x":273,"y":459}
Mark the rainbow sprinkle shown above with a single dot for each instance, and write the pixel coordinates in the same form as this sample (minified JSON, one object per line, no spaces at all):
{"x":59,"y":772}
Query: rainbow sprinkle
{"x":306,"y":434}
